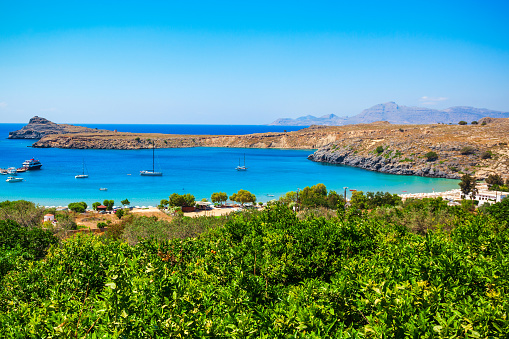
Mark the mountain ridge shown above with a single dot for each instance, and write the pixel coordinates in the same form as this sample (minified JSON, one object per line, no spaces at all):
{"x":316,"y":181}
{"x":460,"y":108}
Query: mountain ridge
{"x":396,"y":114}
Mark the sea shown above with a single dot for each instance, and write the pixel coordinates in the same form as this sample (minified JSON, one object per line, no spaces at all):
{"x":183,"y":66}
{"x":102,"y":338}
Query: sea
{"x":200,"y":171}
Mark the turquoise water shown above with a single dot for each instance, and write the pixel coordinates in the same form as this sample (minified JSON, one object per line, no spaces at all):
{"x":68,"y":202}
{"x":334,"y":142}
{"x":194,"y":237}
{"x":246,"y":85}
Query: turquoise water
{"x":199,"y":171}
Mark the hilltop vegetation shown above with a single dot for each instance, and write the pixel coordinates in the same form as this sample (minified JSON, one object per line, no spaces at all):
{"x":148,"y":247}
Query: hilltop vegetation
{"x":272,"y":274}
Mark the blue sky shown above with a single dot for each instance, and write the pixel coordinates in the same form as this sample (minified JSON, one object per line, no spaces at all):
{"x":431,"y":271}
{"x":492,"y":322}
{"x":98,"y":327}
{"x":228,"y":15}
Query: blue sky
{"x":247,"y":62}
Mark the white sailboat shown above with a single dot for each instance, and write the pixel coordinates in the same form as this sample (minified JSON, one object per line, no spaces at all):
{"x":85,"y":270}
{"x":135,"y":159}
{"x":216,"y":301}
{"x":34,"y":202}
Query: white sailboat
{"x":152,"y":173}
{"x":82,"y":175}
{"x":242,"y":168}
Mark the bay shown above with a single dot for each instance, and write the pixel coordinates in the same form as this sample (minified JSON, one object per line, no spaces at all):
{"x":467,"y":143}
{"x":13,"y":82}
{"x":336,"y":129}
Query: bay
{"x":200,"y":171}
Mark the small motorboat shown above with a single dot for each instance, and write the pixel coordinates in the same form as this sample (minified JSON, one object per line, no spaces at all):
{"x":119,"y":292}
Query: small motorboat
{"x":13,"y":179}
{"x":12,"y":171}
{"x":103,"y":189}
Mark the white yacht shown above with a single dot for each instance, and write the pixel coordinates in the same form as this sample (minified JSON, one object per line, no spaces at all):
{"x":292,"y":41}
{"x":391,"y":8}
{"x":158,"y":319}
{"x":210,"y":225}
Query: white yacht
{"x":152,"y":173}
{"x":243,"y":167}
{"x":13,"y":179}
{"x":82,"y":175}
{"x":32,"y":164}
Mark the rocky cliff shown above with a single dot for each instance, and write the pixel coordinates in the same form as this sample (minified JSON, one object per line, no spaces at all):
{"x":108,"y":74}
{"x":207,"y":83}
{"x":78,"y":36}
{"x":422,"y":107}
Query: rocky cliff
{"x":39,"y":127}
{"x":407,"y":149}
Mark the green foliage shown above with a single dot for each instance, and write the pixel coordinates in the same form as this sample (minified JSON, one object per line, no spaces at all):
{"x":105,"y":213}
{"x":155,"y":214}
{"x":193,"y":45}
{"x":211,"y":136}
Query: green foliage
{"x":372,"y":200}
{"x":219,"y":197}
{"x":474,"y":122}
{"x":467,"y":150}
{"x":499,"y":211}
{"x":125,"y":202}
{"x":109,"y":204}
{"x":379,"y":149}
{"x":494,"y":179}
{"x":21,"y":243}
{"x":95,"y":204}
{"x":78,"y":207}
{"x":25,"y":213}
{"x":316,"y":196}
{"x":120,"y":213}
{"x":483,"y":123}
{"x":462,"y":122}
{"x":468,"y":185}
{"x":431,"y":156}
{"x":271,"y":275}
{"x":486,"y":155}
{"x":243,"y":196}
{"x":184,"y":200}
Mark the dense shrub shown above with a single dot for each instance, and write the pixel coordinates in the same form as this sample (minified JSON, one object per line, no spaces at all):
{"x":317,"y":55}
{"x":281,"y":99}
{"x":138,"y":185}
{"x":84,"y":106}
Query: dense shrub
{"x":181,"y":200}
{"x":467,"y":150}
{"x":25,"y":213}
{"x":486,"y":155}
{"x":379,"y":149}
{"x":474,"y":122}
{"x":18,"y":242}
{"x":462,"y":122}
{"x":78,"y":207}
{"x":431,"y":156}
{"x":373,"y":200}
{"x":494,"y":179}
{"x":268,"y":274}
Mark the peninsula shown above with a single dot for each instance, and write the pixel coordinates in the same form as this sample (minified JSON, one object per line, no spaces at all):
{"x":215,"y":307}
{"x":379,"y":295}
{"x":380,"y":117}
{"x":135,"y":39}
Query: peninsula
{"x":434,"y":150}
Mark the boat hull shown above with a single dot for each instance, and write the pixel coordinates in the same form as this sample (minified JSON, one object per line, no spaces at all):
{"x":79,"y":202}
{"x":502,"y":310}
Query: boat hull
{"x":81,"y":176}
{"x":151,"y":174}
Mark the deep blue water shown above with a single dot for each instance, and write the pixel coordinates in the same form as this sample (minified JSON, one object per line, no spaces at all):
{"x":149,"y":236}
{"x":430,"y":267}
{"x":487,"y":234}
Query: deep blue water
{"x":199,"y":171}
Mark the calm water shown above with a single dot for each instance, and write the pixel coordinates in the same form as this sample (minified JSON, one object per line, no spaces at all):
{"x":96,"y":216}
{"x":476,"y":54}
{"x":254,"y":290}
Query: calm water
{"x":199,"y":171}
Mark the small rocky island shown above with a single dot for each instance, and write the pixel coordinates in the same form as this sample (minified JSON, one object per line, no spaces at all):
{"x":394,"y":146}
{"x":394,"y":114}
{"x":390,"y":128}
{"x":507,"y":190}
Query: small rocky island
{"x":38,"y":128}
{"x":433,"y":150}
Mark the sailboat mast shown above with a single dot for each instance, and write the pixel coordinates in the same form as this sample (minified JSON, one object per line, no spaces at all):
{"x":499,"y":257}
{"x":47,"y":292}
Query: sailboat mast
{"x":153,"y":155}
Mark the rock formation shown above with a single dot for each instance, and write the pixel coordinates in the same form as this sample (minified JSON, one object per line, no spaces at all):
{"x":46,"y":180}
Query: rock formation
{"x":39,"y":127}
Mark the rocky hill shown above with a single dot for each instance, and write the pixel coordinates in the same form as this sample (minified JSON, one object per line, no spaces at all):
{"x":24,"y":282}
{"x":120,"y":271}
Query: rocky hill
{"x":408,"y":149}
{"x":396,"y":114}
{"x":39,"y":127}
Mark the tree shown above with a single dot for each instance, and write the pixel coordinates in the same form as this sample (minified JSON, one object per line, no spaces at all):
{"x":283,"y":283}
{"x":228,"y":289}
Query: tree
{"x":25,"y":213}
{"x":109,"y":204}
{"x":467,"y":185}
{"x":78,"y":207}
{"x":289,"y":197}
{"x":120,"y":213}
{"x":474,"y":122}
{"x":431,"y":156}
{"x":462,"y":122}
{"x":95,"y":204}
{"x":219,"y":197}
{"x":494,"y":179}
{"x":184,"y":200}
{"x":243,"y":197}
{"x":379,"y":149}
{"x":125,"y":202}
{"x":163,"y":203}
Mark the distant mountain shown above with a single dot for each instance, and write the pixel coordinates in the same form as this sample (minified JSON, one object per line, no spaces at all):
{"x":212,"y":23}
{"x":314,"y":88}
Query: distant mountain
{"x":396,"y":114}
{"x":308,"y":120}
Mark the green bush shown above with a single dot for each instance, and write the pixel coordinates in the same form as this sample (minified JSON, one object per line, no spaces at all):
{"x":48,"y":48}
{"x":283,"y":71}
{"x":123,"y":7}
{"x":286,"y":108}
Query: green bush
{"x":462,"y":122}
{"x":379,"y":149}
{"x":78,"y":207}
{"x":467,"y":150}
{"x":431,"y":156}
{"x":486,"y":155}
{"x":269,"y":274}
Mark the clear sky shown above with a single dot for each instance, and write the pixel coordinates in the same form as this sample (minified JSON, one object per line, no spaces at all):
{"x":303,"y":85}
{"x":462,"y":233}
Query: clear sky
{"x":247,"y":62}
